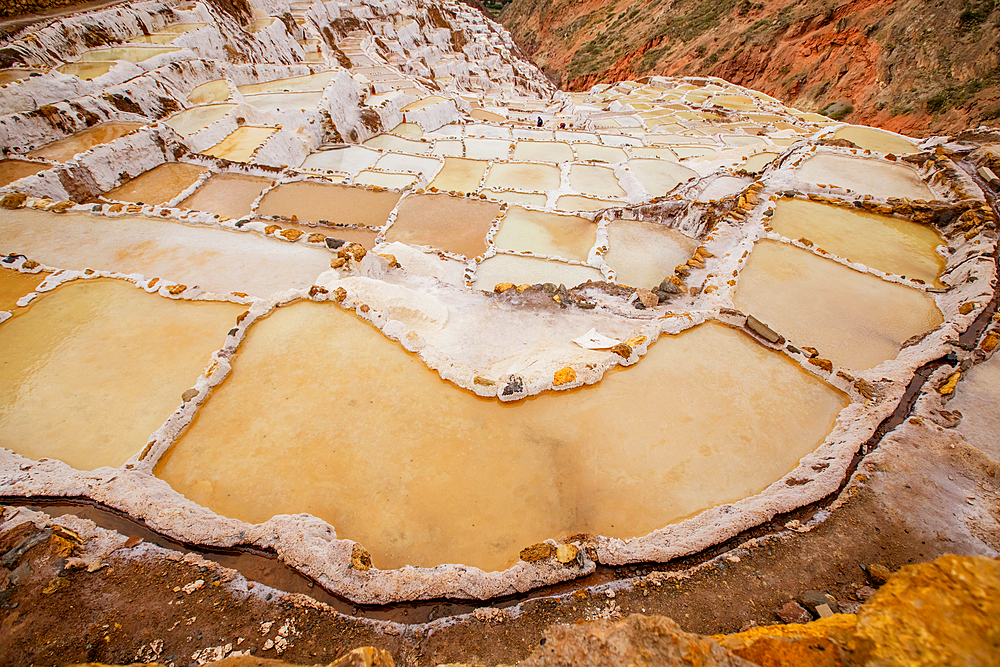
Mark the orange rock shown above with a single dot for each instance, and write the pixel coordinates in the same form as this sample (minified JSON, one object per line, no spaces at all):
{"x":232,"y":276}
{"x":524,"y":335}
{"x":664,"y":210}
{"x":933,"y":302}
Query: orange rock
{"x":564,"y":376}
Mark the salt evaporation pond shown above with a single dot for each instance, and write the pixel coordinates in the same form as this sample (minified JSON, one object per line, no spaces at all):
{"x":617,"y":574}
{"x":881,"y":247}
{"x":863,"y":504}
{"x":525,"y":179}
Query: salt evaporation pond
{"x":889,"y":244}
{"x":194,"y":120}
{"x":213,"y":91}
{"x":227,"y":195}
{"x":322,"y":202}
{"x":597,"y":181}
{"x":523,"y":176}
{"x":351,"y":159}
{"x":212,"y":259}
{"x":290,"y":85}
{"x":854,"y":319}
{"x":93,"y":352}
{"x":278,"y":102}
{"x":64,"y":149}
{"x":871,"y":138}
{"x":158,"y":185}
{"x":86,"y":70}
{"x":241,"y":144}
{"x":132,"y":54}
{"x":578,"y":203}
{"x":450,"y":223}
{"x":659,"y":176}
{"x":527,"y":270}
{"x":423,"y":473}
{"x":12,"y":170}
{"x":460,"y":175}
{"x":878,"y":178}
{"x":642,"y":254}
{"x":14,"y":285}
{"x":543,"y":233}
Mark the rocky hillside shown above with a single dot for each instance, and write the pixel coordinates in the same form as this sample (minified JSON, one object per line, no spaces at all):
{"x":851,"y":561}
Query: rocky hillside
{"x":917,"y":66}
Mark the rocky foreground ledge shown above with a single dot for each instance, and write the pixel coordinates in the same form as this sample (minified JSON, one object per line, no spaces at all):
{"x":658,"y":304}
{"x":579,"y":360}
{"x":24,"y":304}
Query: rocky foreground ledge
{"x":938,"y":613}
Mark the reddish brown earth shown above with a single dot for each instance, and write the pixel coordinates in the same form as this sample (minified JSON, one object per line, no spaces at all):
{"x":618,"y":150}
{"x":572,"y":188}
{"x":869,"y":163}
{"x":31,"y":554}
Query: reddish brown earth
{"x":922,"y":67}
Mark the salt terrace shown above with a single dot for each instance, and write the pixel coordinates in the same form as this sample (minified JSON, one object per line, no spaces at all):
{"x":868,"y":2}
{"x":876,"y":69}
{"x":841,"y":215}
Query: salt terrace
{"x":354,"y":282}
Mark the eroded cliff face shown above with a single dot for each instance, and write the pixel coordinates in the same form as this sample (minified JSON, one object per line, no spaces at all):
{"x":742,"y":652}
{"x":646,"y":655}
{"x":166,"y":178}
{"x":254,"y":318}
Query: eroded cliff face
{"x":915,"y":66}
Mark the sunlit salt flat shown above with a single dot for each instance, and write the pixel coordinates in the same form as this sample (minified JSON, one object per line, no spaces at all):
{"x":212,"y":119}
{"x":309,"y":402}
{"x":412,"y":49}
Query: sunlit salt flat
{"x":878,"y":178}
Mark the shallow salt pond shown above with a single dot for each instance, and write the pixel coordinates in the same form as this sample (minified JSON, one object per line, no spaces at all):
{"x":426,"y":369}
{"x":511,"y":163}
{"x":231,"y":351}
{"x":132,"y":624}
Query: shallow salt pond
{"x":487,"y":149}
{"x":424,"y":166}
{"x":13,"y":170}
{"x":133,"y":54}
{"x":854,"y":319}
{"x":873,"y":139}
{"x":578,"y":203}
{"x":189,"y":121}
{"x":213,"y":91}
{"x":407,"y":131}
{"x":158,"y":185}
{"x":726,"y":186}
{"x":14,"y":285}
{"x":886,"y":243}
{"x":216,"y":260}
{"x":597,"y":153}
{"x":94,"y":367}
{"x":240,"y":145}
{"x":228,"y":195}
{"x":336,"y":204}
{"x":424,"y":103}
{"x":422,"y":473}
{"x":642,"y":254}
{"x":278,"y":102}
{"x":523,"y":176}
{"x":522,"y":269}
{"x":390,"y":142}
{"x":756,"y":163}
{"x":517,"y":198}
{"x":597,"y":181}
{"x":659,"y":176}
{"x":86,"y":71}
{"x":454,"y":224}
{"x":543,"y":233}
{"x":350,"y":160}
{"x":543,"y":151}
{"x":878,"y":178}
{"x":64,"y":149}
{"x":12,"y":75}
{"x":460,"y":174}
{"x":384,"y":180}
{"x":290,"y":85}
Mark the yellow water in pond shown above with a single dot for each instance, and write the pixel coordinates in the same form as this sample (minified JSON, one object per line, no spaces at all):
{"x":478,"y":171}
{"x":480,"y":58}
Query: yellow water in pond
{"x":659,"y":176}
{"x":93,"y":368}
{"x":643,"y":253}
{"x":87,"y":71}
{"x":213,"y":91}
{"x":423,"y":473}
{"x":449,"y":223}
{"x":14,"y":285}
{"x":875,"y":177}
{"x":597,"y":181}
{"x":384,"y":180}
{"x":12,"y":75}
{"x":882,"y":242}
{"x":874,"y":139}
{"x":158,"y":185}
{"x":423,"y":104}
{"x":518,"y":198}
{"x":216,"y":260}
{"x":65,"y":149}
{"x":193,"y":120}
{"x":228,"y":195}
{"x":854,"y":319}
{"x":596,"y":153}
{"x":523,"y":176}
{"x":12,"y":170}
{"x":460,"y":175}
{"x":407,"y":131}
{"x":134,"y":54}
{"x":757,"y":162}
{"x":293,"y":84}
{"x":337,"y":204}
{"x":544,"y":151}
{"x":578,"y":203}
{"x":240,"y":145}
{"x":542,"y":233}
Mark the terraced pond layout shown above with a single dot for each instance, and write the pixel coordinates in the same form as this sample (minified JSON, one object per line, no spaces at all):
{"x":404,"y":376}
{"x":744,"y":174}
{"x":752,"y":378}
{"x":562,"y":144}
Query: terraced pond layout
{"x":360,"y":312}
